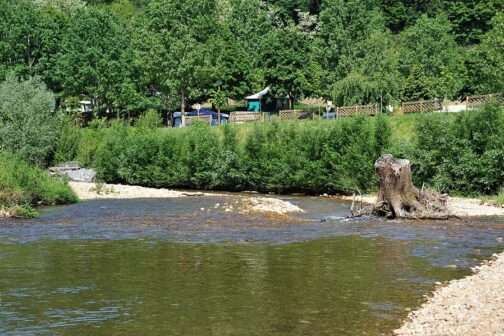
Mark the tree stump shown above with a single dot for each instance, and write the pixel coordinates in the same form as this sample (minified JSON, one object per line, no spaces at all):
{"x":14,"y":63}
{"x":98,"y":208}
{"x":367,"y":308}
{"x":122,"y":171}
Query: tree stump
{"x":399,"y":198}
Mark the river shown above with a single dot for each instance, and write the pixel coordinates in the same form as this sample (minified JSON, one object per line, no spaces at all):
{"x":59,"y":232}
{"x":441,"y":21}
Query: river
{"x":187,"y":267}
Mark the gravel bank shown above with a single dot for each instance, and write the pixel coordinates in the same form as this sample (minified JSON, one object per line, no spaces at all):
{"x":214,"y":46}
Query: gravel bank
{"x":245,"y":204}
{"x":92,"y":191}
{"x":460,"y":207}
{"x":473,"y":306}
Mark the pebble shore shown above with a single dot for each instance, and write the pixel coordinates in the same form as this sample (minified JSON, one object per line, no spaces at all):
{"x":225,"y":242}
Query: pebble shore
{"x":473,"y":306}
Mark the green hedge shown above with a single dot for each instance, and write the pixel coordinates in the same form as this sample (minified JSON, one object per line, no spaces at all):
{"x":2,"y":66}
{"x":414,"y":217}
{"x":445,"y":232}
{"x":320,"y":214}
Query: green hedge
{"x":460,"y":154}
{"x":311,"y":157}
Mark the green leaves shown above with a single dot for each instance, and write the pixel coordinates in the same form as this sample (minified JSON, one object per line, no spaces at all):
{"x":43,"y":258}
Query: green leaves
{"x":29,"y":126}
{"x":431,"y":61}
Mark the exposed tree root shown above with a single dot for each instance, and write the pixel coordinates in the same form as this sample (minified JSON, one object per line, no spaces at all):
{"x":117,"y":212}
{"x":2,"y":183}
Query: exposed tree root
{"x":399,"y":198}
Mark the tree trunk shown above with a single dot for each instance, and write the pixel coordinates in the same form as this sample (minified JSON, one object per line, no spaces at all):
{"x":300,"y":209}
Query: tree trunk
{"x":218,"y":116}
{"x":399,"y":198}
{"x":182,"y":108}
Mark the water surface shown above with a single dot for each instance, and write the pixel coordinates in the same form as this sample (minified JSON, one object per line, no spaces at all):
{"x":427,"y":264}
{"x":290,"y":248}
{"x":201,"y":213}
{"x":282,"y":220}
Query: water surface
{"x":187,"y":267}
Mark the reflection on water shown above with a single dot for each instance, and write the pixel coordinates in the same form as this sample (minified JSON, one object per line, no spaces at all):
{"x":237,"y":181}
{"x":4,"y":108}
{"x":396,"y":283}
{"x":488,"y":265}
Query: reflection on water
{"x":167,"y":267}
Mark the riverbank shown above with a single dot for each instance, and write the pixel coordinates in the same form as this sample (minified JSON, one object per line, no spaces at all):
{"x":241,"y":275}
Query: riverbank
{"x":473,"y":306}
{"x":24,"y":186}
{"x":240,"y":203}
{"x":457,"y":206}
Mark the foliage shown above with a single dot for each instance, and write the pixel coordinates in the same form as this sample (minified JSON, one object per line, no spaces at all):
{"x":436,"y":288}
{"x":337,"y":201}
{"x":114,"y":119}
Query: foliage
{"x":29,"y":126}
{"x":128,"y":56}
{"x":68,"y":141}
{"x":464,"y":154}
{"x":22,"y":185}
{"x":431,"y":61}
{"x":149,"y":120}
{"x":94,"y":59}
{"x":487,"y":60}
{"x":312,"y":157}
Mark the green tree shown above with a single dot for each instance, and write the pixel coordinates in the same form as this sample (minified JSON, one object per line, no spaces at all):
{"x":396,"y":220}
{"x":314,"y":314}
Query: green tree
{"x":66,"y":6}
{"x":343,"y":25}
{"x":374,"y":76}
{"x":171,"y":44}
{"x":95,"y":59}
{"x":29,"y":38}
{"x":486,"y":62}
{"x":431,"y":61}
{"x":29,"y":126}
{"x":472,"y":19}
{"x":289,"y":63}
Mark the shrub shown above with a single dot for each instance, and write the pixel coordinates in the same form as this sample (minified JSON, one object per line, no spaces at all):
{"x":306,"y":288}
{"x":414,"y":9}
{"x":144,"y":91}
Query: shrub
{"x":149,"y":120}
{"x":312,"y":157}
{"x":22,"y":185}
{"x":29,"y":126}
{"x":68,"y":142}
{"x":464,"y":154}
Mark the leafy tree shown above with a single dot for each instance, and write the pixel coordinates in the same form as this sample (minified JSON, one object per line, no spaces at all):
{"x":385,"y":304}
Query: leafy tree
{"x":66,"y":6}
{"x":431,"y":61}
{"x":172,"y":46}
{"x":289,"y":64}
{"x":487,"y":60}
{"x":343,"y":25}
{"x":21,"y":38}
{"x":374,"y":75}
{"x":401,"y":14}
{"x":29,"y":126}
{"x":95,"y":59}
{"x":471,"y":19}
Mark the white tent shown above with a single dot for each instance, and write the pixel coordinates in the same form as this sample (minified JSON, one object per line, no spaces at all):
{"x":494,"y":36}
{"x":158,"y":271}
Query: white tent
{"x":259,"y":95}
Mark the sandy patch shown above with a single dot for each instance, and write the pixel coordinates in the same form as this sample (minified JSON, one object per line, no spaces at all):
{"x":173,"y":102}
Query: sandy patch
{"x":457,"y":206}
{"x":92,"y":191}
{"x":5,"y":213}
{"x":243,"y":204}
{"x":272,"y":205}
{"x":473,"y":306}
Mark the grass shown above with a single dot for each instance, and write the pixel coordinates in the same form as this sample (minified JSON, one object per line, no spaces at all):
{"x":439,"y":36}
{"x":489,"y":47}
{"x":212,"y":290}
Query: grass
{"x":23,"y":186}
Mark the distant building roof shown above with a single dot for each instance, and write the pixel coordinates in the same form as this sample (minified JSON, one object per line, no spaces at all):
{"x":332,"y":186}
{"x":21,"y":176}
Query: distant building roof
{"x":259,"y":95}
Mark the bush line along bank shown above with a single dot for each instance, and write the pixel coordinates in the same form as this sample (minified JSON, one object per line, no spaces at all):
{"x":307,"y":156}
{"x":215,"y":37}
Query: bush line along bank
{"x":461,"y":154}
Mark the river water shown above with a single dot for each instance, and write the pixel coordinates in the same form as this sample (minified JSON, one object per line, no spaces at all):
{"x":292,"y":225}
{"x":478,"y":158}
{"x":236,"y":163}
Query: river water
{"x":187,"y":267}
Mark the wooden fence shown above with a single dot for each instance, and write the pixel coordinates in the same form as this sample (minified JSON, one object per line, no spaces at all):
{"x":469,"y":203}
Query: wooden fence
{"x":422,"y":106}
{"x":244,"y":117}
{"x":203,"y":118}
{"x":349,"y":111}
{"x":295,"y":114}
{"x":480,"y":100}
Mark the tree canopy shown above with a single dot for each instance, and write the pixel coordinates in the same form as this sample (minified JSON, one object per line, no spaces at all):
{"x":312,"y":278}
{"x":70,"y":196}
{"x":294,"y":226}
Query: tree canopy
{"x":139,"y":54}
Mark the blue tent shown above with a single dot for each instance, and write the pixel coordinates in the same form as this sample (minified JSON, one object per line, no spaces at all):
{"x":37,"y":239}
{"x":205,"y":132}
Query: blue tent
{"x":177,"y":116}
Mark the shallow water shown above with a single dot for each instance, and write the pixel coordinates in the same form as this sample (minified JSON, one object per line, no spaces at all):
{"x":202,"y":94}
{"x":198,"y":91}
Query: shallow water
{"x":187,"y":267}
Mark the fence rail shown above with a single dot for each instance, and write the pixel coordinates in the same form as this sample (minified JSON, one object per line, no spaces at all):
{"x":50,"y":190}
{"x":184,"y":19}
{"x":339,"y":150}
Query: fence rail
{"x":480,"y":100}
{"x":244,"y":117}
{"x":422,"y":106}
{"x":204,"y":118}
{"x":349,"y":111}
{"x":295,"y":114}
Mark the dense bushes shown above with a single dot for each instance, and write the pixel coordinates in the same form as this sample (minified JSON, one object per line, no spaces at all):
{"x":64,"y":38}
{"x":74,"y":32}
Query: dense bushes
{"x":462,"y":154}
{"x":29,"y":126}
{"x":458,"y":153}
{"x":311,"y":157}
{"x":22,"y":185}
